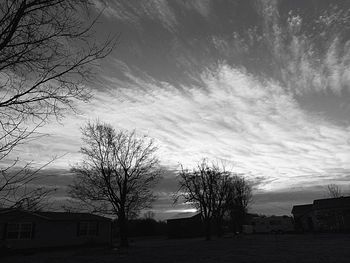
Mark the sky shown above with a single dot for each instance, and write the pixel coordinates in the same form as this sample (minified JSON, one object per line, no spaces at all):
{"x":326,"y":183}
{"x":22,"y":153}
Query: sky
{"x":262,"y":86}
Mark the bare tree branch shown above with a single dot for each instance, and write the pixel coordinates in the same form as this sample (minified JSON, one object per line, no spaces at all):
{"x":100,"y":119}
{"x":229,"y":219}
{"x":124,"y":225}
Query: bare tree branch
{"x":118,"y":173}
{"x":334,"y":191}
{"x":238,"y":200}
{"x":16,"y":189}
{"x":47,"y":53}
{"x":206,"y":189}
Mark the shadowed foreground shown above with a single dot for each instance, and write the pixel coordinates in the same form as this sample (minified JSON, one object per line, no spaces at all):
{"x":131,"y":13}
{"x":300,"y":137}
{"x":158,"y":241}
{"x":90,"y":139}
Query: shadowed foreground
{"x":255,"y":248}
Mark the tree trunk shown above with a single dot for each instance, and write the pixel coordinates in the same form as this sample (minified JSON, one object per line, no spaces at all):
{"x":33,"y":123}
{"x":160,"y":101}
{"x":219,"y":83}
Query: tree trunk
{"x":123,"y":226}
{"x":207,"y":229}
{"x":241,"y":220}
{"x":219,"y":230}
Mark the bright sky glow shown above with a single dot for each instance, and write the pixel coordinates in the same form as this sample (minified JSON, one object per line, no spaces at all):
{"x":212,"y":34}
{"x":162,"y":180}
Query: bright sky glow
{"x":261,"y":85}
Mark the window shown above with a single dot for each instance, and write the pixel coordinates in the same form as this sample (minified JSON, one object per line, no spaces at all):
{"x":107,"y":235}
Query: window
{"x":19,"y":231}
{"x":88,"y":228}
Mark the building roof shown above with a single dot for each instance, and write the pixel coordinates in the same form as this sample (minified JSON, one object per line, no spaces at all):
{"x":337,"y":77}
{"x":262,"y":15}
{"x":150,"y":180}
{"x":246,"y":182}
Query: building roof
{"x":334,"y":203}
{"x":302,"y":209}
{"x":69,"y":216}
{"x":55,"y":216}
{"x":268,"y":218}
{"x":185,"y":216}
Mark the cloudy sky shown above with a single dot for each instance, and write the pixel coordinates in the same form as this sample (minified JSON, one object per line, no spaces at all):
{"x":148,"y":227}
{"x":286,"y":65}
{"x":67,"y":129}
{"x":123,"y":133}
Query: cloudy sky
{"x":263,"y":86}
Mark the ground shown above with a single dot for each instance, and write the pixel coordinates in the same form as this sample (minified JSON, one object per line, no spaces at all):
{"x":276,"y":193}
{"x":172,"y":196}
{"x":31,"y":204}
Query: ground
{"x":254,"y":248}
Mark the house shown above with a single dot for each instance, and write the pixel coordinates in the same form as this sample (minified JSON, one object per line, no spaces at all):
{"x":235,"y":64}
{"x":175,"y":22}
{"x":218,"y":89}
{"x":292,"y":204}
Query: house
{"x":330,"y":215}
{"x":272,"y":224}
{"x":21,"y":229}
{"x":190,"y":226}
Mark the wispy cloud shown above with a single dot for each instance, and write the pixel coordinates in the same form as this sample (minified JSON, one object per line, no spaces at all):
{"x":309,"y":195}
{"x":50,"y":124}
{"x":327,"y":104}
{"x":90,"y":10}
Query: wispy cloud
{"x":137,"y":11}
{"x":237,"y":88}
{"x":203,"y":7}
{"x":310,"y":55}
{"x":256,"y":126}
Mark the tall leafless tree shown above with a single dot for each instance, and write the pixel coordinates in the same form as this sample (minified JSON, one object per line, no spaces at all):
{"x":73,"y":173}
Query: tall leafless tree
{"x":206,"y":189}
{"x":238,"y":200}
{"x":46,"y":57}
{"x":118,"y":173}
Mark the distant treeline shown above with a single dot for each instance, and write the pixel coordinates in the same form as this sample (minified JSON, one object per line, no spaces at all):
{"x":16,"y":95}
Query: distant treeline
{"x":143,"y":227}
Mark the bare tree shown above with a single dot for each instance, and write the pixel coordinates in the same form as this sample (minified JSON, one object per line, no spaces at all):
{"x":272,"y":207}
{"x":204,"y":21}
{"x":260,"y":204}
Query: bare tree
{"x":238,"y":199}
{"x":46,"y":58}
{"x":117,"y":174}
{"x":334,"y":191}
{"x":149,"y":215}
{"x":205,"y":188}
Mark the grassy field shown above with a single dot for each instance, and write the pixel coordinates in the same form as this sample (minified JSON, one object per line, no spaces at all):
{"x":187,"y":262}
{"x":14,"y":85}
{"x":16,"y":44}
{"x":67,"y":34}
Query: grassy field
{"x":254,"y":248}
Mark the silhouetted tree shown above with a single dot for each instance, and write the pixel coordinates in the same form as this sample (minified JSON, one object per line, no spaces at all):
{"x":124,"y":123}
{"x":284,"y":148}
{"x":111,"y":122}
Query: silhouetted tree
{"x":46,"y":55}
{"x":17,"y":190}
{"x":205,"y":188}
{"x":34,"y":200}
{"x":238,"y":199}
{"x":149,"y":215}
{"x":117,"y":174}
{"x":334,"y":191}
